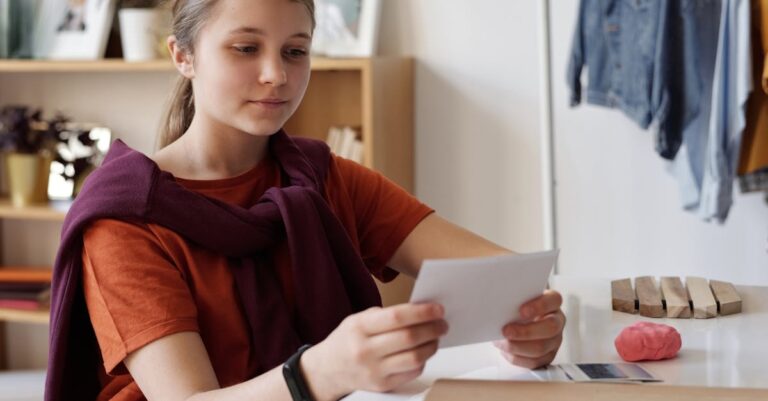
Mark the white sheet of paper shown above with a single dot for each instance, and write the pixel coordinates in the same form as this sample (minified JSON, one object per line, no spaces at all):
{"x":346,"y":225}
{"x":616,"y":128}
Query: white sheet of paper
{"x":481,"y":295}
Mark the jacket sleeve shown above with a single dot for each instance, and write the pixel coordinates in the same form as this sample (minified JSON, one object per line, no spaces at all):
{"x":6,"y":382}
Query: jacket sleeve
{"x":577,"y":58}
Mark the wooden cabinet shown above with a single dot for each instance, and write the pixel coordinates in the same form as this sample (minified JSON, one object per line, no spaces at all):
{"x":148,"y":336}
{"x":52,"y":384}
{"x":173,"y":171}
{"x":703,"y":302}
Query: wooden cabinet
{"x":372,"y":94}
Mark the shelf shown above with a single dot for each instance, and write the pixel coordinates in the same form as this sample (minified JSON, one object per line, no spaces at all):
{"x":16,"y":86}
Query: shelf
{"x":342,"y":64}
{"x":54,"y":211}
{"x":116,"y":65}
{"x":24,"y":316}
{"x":119,"y":65}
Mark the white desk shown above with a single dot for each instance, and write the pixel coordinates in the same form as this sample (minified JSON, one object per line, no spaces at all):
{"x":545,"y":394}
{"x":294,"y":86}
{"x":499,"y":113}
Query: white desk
{"x":726,"y":351}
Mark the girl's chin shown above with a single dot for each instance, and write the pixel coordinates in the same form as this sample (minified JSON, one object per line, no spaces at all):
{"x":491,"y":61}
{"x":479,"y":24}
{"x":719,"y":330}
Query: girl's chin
{"x":261,"y":129}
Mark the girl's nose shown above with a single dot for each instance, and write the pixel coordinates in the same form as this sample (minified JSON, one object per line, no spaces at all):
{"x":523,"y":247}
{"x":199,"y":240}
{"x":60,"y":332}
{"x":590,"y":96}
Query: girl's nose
{"x":273,"y":72}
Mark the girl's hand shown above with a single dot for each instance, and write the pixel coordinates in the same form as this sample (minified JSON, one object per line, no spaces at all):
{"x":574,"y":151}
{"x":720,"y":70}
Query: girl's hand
{"x":375,"y":350}
{"x":535,"y":343}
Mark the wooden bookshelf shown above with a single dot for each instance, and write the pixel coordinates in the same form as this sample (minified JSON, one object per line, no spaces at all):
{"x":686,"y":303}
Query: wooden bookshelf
{"x":53,"y":211}
{"x":117,"y":65}
{"x":24,"y":316}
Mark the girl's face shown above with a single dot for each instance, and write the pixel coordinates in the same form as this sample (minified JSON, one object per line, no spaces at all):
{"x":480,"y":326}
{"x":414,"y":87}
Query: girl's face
{"x":252,"y":65}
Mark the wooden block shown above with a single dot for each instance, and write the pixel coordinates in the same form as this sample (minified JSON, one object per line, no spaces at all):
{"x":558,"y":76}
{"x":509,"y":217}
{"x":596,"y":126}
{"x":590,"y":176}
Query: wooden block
{"x":704,"y":305}
{"x":623,"y":296}
{"x":649,"y":297}
{"x":675,"y":297}
{"x":728,"y":300}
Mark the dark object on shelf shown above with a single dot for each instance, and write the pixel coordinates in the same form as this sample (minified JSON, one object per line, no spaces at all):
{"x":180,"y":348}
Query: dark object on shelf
{"x":24,"y":130}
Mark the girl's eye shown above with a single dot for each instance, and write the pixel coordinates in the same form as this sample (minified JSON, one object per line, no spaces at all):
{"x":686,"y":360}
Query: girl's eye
{"x":296,"y":53}
{"x":245,"y":49}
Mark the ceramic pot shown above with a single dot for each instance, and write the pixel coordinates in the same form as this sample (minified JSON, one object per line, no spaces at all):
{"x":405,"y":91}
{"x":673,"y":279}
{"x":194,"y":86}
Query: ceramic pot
{"x":28,"y":178}
{"x":143,"y":32}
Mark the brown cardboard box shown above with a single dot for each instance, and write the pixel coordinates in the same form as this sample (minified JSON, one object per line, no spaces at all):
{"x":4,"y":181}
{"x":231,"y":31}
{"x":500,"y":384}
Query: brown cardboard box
{"x":478,"y":390}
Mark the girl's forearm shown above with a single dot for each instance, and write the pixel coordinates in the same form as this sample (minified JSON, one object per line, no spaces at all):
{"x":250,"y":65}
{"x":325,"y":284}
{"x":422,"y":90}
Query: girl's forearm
{"x":271,"y":385}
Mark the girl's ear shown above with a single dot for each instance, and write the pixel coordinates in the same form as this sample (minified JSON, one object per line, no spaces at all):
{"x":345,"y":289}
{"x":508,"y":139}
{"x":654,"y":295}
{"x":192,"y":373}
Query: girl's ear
{"x":181,"y":58}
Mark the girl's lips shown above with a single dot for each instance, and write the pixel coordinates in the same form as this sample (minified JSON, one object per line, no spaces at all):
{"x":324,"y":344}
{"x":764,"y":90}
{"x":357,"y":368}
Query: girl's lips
{"x":270,"y":103}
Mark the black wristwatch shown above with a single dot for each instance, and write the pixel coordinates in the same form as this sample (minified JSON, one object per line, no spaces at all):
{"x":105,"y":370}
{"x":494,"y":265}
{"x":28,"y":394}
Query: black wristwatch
{"x":294,"y":378}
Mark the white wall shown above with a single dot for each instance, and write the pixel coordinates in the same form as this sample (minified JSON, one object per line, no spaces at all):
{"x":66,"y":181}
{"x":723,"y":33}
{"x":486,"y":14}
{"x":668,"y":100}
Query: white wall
{"x":477,"y":106}
{"x":619,"y":210}
{"x":477,"y":150}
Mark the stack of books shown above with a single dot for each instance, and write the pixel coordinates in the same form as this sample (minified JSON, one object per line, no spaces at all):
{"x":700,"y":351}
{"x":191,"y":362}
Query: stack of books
{"x":25,"y":288}
{"x":346,"y":142}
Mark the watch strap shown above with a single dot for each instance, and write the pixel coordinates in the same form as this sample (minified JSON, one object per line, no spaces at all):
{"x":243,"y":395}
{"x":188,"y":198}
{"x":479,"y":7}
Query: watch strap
{"x":294,"y":378}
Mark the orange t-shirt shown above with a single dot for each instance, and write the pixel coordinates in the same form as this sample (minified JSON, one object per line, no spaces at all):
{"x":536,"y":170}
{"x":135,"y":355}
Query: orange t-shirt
{"x":143,"y":281}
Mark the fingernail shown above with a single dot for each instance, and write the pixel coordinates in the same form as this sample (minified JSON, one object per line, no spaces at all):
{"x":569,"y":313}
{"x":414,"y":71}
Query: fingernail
{"x":440,"y":310}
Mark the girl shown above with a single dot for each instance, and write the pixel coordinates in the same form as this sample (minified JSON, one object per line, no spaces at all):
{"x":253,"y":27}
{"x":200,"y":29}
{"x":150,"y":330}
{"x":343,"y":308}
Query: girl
{"x":206,"y":267}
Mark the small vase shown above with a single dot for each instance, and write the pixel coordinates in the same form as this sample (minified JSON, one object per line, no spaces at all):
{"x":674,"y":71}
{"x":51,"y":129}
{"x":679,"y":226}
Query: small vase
{"x":141,"y":30}
{"x":28,"y":178}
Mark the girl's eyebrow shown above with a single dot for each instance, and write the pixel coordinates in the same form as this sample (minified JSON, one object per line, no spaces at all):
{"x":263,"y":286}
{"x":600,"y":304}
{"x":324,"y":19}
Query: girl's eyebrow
{"x":257,"y":31}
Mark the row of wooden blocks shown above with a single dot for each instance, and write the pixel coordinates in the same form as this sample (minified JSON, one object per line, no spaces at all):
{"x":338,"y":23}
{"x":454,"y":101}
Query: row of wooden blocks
{"x":697,"y":298}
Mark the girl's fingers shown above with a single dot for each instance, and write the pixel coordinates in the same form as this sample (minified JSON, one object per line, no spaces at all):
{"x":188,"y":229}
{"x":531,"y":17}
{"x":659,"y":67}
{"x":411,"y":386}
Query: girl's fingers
{"x":381,"y":320}
{"x":530,"y":349}
{"x":409,"y":360}
{"x":407,"y":338}
{"x":545,"y":327}
{"x":548,"y":302}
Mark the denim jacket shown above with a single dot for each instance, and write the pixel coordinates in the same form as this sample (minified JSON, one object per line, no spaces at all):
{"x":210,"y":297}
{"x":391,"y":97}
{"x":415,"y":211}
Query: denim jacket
{"x":682,"y":63}
{"x":703,"y":22}
{"x":640,"y":58}
{"x":731,"y":87}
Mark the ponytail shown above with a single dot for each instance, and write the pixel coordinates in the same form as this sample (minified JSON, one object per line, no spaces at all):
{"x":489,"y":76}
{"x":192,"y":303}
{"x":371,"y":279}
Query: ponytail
{"x":180,"y":113}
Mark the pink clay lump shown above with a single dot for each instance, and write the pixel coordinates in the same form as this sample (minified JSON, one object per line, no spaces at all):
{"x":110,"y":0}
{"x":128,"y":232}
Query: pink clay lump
{"x":645,"y":341}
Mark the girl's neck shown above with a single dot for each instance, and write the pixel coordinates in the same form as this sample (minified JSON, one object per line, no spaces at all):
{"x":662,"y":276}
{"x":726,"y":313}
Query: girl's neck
{"x":210,"y":151}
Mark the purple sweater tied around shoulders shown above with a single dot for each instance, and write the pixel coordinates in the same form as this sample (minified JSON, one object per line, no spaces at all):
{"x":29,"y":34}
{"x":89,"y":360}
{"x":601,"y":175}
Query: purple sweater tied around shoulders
{"x":330,"y":279}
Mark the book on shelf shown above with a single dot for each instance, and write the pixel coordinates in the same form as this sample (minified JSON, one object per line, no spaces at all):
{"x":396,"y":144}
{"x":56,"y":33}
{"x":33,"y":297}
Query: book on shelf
{"x":35,"y":301}
{"x":17,"y":20}
{"x":334,"y":139}
{"x":26,"y":275}
{"x":4,"y":28}
{"x":25,"y":288}
{"x":345,"y":142}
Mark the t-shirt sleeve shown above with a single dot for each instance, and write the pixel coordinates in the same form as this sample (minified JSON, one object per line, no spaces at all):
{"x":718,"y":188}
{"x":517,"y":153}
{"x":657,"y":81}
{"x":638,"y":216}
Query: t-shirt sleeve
{"x":134,"y":292}
{"x":384,"y":213}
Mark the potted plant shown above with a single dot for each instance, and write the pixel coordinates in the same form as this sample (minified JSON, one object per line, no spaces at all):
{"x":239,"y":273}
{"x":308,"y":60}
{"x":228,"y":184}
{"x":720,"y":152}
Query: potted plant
{"x":30,"y":143}
{"x":144,"y":25}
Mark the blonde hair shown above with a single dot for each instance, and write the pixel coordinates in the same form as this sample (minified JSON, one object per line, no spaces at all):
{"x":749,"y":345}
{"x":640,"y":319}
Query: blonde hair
{"x":189,"y":16}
